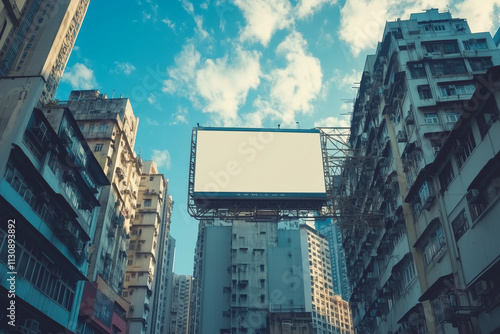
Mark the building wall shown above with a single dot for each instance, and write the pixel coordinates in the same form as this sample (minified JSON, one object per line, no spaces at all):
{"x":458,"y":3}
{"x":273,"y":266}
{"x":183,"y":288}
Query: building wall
{"x":410,"y":98}
{"x":214,"y":279}
{"x":48,"y":190}
{"x":38,"y":38}
{"x":110,"y":128}
{"x":180,"y":305}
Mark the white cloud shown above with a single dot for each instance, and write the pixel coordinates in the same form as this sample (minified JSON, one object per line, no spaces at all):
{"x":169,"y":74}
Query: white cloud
{"x":125,"y":68}
{"x":162,"y":158}
{"x":333,"y":122}
{"x":293,"y":88}
{"x":224,"y":83}
{"x":80,"y":77}
{"x":346,"y":81}
{"x":151,"y":121}
{"x":169,"y":23}
{"x":152,"y":98}
{"x":481,"y":15}
{"x":179,"y":116}
{"x":188,"y":6}
{"x":263,"y":18}
{"x":308,"y":7}
{"x":199,"y":27}
{"x":183,"y":73}
{"x":362,"y":22}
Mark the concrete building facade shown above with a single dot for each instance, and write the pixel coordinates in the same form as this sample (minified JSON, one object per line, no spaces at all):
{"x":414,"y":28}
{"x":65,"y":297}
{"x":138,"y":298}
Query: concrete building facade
{"x":412,"y":98}
{"x":331,"y":230}
{"x":263,"y":270}
{"x":180,"y":304}
{"x":48,"y":198}
{"x":37,"y":37}
{"x":110,"y":128}
{"x":149,"y":226}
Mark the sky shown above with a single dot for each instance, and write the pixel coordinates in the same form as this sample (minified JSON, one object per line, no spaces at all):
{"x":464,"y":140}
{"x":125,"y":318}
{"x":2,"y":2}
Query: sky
{"x":234,"y":63}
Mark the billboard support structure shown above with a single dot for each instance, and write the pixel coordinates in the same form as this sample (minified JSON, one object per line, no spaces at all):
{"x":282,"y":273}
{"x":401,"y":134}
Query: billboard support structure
{"x":340,"y":203}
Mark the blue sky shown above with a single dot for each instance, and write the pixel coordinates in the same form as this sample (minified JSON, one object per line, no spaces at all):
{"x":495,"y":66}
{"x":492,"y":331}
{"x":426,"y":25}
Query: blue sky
{"x":249,"y":63}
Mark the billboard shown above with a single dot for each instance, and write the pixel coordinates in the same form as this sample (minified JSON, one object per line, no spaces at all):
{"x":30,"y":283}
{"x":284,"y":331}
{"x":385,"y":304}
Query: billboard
{"x":259,"y":164}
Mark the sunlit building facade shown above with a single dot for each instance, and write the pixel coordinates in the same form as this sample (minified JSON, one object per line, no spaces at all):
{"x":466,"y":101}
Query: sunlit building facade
{"x":425,"y":110}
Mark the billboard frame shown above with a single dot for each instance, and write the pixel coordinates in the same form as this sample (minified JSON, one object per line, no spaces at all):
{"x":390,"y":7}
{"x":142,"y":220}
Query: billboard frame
{"x":263,"y":208}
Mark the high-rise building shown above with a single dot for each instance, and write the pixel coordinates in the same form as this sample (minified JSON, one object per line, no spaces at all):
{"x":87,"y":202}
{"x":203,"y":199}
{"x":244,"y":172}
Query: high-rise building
{"x":331,"y":231}
{"x":163,"y":271}
{"x":180,"y":304}
{"x":425,"y":261}
{"x":110,"y":128}
{"x":168,"y":286}
{"x":263,"y":271}
{"x":149,"y":227}
{"x":37,"y":37}
{"x":329,"y":313}
{"x":48,"y":199}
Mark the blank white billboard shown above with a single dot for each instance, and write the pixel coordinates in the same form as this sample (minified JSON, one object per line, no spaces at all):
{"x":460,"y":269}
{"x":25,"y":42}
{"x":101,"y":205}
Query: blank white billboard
{"x":259,"y":163}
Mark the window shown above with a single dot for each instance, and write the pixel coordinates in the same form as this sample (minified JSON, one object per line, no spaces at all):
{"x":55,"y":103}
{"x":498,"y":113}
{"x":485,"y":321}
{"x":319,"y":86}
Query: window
{"x":424,"y":92}
{"x":449,"y":66}
{"x":480,"y":64}
{"x":417,"y":70}
{"x":43,"y":274}
{"x":439,"y":27}
{"x":464,"y":147}
{"x":475,"y":44}
{"x":151,"y":178}
{"x":457,"y":89}
{"x":431,"y":118}
{"x":147,"y":202}
{"x":435,"y":243}
{"x":446,"y":176}
{"x":460,"y":225}
{"x":103,"y":127}
{"x":488,"y":115}
{"x":452,"y":116}
{"x":91,"y":127}
{"x":98,"y":147}
{"x":445,"y":47}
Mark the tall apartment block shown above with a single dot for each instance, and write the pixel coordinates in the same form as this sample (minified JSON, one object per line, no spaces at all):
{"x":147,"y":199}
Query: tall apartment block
{"x":329,"y":313}
{"x":36,"y":39}
{"x":49,"y":183}
{"x":150,"y":226}
{"x":49,"y":192}
{"x":167,"y":284}
{"x":269,"y":275}
{"x":331,"y":230}
{"x":423,"y":125}
{"x":110,"y":128}
{"x":163,"y":271}
{"x":180,"y":304}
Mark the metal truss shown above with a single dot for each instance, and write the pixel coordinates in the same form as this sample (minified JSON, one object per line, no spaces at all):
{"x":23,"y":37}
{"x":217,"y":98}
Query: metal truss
{"x":344,"y":204}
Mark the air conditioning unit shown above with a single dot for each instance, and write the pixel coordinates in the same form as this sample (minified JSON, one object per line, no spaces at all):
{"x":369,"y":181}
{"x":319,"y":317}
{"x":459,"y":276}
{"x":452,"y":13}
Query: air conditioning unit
{"x":428,"y":55}
{"x":484,"y":287}
{"x":472,"y":196}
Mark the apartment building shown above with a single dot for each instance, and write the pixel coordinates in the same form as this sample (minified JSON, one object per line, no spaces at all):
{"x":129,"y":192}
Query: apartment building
{"x":180,"y":304}
{"x":412,"y":98}
{"x":329,"y":313}
{"x":331,"y":230}
{"x":163,"y":271}
{"x":268,"y":276}
{"x":110,"y":128}
{"x":49,"y":192}
{"x":147,"y":230}
{"x":36,"y":39}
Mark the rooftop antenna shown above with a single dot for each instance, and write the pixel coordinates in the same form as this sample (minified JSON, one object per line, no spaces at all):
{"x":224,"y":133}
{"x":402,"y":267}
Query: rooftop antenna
{"x":298,"y":125}
{"x":113,"y":95}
